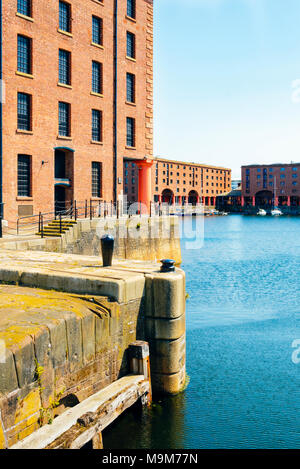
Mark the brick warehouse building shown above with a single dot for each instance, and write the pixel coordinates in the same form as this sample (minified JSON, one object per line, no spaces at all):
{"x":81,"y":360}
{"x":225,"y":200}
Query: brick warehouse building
{"x":78,"y":80}
{"x":179,"y":182}
{"x":267,"y":185}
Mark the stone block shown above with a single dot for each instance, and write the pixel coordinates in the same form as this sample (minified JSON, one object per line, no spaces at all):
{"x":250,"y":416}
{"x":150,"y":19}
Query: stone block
{"x":165,"y":295}
{"x":165,"y":328}
{"x":3,"y":444}
{"x":59,"y":347}
{"x":74,"y":340}
{"x":8,"y":374}
{"x":167,"y":356}
{"x":168,"y":383}
{"x":9,"y":276}
{"x":85,"y":225}
{"x":88,"y":338}
{"x":25,"y":361}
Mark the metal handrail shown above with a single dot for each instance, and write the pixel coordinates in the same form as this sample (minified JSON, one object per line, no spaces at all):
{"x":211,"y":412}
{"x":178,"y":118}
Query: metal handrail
{"x":88,"y":209}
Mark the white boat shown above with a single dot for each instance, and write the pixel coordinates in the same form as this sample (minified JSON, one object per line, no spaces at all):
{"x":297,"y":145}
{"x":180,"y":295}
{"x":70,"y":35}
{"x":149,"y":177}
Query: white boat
{"x":276,"y":212}
{"x":261,"y":212}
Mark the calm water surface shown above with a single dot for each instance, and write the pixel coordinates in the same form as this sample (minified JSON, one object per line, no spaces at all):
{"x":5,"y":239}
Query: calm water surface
{"x":242,"y":318}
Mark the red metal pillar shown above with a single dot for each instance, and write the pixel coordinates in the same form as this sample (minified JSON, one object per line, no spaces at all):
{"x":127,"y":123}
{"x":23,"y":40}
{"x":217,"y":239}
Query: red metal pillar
{"x":145,"y":187}
{"x":253,"y":201}
{"x":243,"y":201}
{"x":289,"y":201}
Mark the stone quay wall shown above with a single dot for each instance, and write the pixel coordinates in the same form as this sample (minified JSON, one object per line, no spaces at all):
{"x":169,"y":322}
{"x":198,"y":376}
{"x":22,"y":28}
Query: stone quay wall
{"x":66,"y":323}
{"x":136,"y":238}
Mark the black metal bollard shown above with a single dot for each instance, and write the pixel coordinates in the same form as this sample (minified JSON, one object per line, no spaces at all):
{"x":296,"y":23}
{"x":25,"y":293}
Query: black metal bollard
{"x":168,"y":265}
{"x":107,"y":248}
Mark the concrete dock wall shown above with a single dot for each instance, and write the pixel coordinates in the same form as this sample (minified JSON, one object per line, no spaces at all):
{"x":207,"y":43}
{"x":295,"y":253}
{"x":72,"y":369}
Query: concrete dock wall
{"x":67,"y":323}
{"x":140,"y":238}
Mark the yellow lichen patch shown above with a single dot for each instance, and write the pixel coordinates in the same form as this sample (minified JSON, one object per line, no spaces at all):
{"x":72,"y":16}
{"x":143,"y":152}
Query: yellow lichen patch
{"x":2,"y":438}
{"x":28,"y":408}
{"x":17,"y":302}
{"x":15,"y":335}
{"x":21,"y":434}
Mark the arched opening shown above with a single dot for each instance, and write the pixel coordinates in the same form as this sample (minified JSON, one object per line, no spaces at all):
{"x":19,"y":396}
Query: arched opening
{"x":167,"y":196}
{"x":264,"y":198}
{"x":193,"y":197}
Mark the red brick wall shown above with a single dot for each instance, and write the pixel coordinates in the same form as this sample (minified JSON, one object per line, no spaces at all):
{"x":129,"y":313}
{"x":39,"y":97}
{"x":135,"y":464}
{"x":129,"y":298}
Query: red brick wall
{"x":207,"y":181}
{"x":46,"y":94}
{"x":288,"y":186}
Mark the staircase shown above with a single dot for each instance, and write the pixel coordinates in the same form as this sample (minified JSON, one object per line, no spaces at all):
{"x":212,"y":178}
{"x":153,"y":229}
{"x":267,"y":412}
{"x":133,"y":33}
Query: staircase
{"x":53,"y":228}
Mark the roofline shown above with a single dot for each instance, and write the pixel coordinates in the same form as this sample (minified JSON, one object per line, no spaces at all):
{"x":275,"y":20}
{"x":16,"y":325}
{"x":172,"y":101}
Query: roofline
{"x":190,"y":164}
{"x":269,"y":165}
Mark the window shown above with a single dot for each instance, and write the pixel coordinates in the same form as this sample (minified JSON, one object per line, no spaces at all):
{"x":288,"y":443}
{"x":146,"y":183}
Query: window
{"x":295,"y":175}
{"x":24,"y":175}
{"x":97,"y":77}
{"x":130,"y":88}
{"x":24,"y":111}
{"x":130,"y":51}
{"x":97,"y":34}
{"x":24,"y":7}
{"x":130,"y":140}
{"x":258,"y":170}
{"x":24,"y":54}
{"x":64,"y":119}
{"x":131,"y":12}
{"x":96,"y":179}
{"x":64,"y":67}
{"x":96,"y":125}
{"x":295,"y":169}
{"x":65,"y":17}
{"x":295,"y":183}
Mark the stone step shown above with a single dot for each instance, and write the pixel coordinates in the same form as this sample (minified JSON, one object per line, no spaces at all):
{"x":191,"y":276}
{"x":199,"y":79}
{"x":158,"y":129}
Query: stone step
{"x":49,"y":233}
{"x":72,"y":222}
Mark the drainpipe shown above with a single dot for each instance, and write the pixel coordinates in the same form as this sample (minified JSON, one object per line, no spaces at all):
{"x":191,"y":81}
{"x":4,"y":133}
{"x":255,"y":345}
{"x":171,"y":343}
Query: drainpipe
{"x":115,"y":112}
{"x":1,"y":123}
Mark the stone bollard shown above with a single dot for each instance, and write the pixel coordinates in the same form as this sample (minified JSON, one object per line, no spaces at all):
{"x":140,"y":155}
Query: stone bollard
{"x":140,"y":364}
{"x":165,"y":329}
{"x":107,"y":247}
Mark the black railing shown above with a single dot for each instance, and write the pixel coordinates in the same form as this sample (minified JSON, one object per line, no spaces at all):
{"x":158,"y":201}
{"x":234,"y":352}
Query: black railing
{"x":90,"y":209}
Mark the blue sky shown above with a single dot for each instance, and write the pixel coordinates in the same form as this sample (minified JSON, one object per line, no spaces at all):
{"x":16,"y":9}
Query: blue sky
{"x":224,"y":71}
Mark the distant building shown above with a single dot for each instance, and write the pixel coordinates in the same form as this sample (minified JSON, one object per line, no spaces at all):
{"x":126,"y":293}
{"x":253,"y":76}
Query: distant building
{"x":235,"y":183}
{"x":231,"y":201}
{"x":275,"y":184}
{"x":179,"y":182}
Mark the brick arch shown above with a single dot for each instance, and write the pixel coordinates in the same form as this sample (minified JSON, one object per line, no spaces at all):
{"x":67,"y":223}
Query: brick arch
{"x":167,"y":196}
{"x":193,"y":197}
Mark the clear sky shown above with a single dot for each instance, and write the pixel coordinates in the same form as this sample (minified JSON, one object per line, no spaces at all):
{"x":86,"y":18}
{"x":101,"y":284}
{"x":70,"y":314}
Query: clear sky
{"x":224,"y":71}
